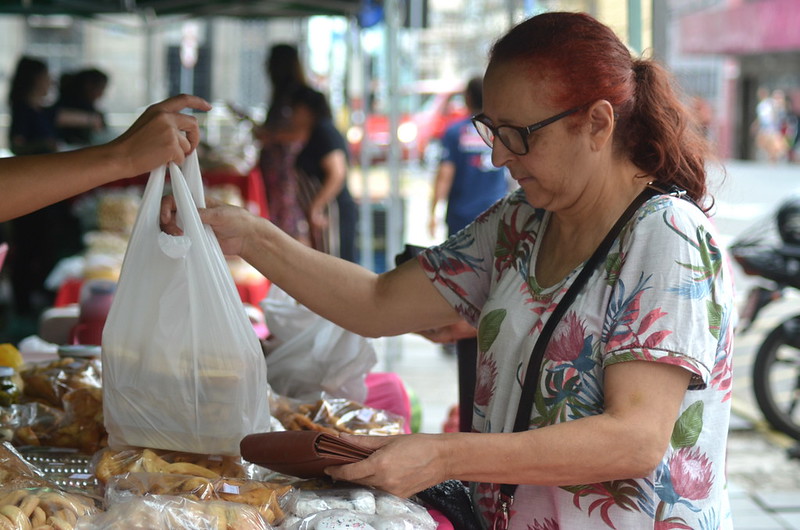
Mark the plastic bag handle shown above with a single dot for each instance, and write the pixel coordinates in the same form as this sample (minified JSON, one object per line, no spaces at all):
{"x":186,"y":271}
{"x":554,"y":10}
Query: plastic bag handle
{"x":154,"y":190}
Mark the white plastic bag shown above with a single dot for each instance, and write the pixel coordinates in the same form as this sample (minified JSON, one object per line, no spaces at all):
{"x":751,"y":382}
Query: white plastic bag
{"x":182,"y":366}
{"x":309,"y":354}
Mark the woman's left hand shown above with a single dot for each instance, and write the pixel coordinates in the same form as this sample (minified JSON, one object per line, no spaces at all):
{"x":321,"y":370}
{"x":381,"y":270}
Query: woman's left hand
{"x":402,"y":465}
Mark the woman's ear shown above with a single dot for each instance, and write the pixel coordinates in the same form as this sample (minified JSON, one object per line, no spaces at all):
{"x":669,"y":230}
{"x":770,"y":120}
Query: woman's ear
{"x":601,"y":123}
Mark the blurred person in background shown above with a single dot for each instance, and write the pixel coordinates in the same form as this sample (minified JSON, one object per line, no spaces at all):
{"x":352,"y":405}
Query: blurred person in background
{"x":768,"y":126}
{"x":322,"y":164}
{"x":470,"y":184}
{"x":278,"y":154}
{"x":37,"y":240}
{"x":79,"y":121}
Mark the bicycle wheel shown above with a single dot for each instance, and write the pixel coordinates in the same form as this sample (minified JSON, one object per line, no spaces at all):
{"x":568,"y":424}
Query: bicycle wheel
{"x":776,"y":377}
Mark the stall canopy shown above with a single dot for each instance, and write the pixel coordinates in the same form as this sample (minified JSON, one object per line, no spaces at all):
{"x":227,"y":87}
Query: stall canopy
{"x":244,"y":8}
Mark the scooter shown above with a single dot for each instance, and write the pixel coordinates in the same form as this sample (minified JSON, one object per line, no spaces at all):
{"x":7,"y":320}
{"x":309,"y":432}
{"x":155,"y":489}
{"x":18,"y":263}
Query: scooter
{"x":776,"y":262}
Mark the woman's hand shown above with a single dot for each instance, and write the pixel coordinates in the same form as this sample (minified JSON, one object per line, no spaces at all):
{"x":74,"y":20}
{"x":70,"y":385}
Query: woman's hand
{"x":231,"y":224}
{"x":402,"y":465}
{"x":452,"y":333}
{"x":316,"y":216}
{"x":160,"y":135}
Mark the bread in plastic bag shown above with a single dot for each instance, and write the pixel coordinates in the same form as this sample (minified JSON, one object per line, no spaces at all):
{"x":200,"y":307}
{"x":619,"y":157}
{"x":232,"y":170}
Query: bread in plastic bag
{"x":265,"y":497}
{"x":362,"y":508}
{"x":163,"y":512}
{"x":182,"y":366}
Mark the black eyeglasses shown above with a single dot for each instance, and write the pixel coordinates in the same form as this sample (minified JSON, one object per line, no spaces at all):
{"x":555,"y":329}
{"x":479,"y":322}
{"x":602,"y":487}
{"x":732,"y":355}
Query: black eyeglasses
{"x":514,"y":138}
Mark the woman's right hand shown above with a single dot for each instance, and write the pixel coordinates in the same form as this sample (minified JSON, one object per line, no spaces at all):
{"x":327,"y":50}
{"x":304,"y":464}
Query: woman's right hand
{"x":232,"y":225}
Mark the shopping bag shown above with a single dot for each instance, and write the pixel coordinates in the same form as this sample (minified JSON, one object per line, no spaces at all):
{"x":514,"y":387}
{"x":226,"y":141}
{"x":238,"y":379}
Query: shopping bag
{"x":308,"y":354}
{"x":182,"y":366}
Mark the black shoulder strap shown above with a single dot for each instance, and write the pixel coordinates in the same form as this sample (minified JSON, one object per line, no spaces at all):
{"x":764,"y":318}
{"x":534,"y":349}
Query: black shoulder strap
{"x":522,"y":420}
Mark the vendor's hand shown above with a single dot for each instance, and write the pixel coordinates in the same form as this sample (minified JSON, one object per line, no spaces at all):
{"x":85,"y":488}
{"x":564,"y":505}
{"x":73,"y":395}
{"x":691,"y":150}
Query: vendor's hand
{"x":161,"y":134}
{"x":402,"y":465}
{"x":448,"y":334}
{"x":231,"y":224}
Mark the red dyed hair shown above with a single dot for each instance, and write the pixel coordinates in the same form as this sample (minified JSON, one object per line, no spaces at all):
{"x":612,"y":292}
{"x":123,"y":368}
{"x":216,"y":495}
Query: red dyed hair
{"x":588,"y":62}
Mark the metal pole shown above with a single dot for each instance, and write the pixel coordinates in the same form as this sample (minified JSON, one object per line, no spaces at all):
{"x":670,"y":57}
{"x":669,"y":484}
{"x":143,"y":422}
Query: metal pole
{"x":635,"y":25}
{"x":394,"y":227}
{"x":365,"y":224}
{"x":660,"y":21}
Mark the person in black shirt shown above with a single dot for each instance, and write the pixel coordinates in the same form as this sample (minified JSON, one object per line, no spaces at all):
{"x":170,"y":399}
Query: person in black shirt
{"x":323,"y":160}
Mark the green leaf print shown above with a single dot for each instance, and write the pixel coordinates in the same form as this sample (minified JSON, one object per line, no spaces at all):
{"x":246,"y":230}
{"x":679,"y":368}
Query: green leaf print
{"x":714,"y":318}
{"x":489,"y":328}
{"x":613,"y":266}
{"x":687,"y":428}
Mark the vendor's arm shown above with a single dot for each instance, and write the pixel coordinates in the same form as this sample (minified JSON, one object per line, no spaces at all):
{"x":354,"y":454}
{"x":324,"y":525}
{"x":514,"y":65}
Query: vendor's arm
{"x":374,"y":305}
{"x":441,"y":188}
{"x":628,"y":440}
{"x":160,"y":135}
{"x":334,"y":171}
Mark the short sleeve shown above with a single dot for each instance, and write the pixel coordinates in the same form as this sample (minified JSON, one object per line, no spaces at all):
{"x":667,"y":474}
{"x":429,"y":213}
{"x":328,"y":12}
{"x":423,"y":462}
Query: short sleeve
{"x":673,"y":292}
{"x":463,"y":268}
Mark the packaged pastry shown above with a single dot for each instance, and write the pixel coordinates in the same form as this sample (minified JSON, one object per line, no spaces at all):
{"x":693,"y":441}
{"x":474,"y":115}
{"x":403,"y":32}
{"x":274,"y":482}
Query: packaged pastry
{"x":109,"y":463}
{"x":167,"y":512}
{"x":49,"y":382}
{"x":265,"y":497}
{"x":334,"y":415}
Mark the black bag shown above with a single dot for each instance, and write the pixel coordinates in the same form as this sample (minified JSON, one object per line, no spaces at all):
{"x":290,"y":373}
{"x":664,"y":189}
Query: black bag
{"x":452,"y":498}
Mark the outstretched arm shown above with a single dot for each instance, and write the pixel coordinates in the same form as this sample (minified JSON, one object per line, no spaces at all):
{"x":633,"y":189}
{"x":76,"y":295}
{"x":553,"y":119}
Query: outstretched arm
{"x":160,"y":135}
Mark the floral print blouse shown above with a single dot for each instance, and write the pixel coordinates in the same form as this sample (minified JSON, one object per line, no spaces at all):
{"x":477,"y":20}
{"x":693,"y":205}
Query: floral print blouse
{"x":664,"y":294}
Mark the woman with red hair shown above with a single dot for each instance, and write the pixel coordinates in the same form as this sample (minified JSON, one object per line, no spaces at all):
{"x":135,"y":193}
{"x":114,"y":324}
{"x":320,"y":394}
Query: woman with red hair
{"x":622,"y":421}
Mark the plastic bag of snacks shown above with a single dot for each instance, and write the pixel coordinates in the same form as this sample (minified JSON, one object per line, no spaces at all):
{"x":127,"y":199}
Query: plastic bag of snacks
{"x":341,"y":509}
{"x":163,"y":512}
{"x":265,"y":497}
{"x":183,"y":368}
{"x":334,"y":415}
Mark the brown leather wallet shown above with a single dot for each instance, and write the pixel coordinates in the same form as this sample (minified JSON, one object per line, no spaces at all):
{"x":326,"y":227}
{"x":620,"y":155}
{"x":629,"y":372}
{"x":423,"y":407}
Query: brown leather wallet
{"x":303,"y":454}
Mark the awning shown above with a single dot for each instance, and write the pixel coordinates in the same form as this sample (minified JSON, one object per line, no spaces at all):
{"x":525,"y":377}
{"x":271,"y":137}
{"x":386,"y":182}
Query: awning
{"x":239,"y":8}
{"x":752,"y":27}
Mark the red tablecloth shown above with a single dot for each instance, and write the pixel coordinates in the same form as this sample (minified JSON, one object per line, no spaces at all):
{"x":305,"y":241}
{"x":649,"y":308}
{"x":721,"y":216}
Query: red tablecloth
{"x":251,"y":293}
{"x":251,"y":186}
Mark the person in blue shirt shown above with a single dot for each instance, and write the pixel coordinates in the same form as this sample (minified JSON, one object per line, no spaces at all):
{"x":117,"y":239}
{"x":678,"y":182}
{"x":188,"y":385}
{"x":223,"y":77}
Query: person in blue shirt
{"x":466,"y":176}
{"x":471,"y":184}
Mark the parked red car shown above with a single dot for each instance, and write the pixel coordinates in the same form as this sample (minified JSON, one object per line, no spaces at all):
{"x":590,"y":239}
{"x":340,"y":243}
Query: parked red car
{"x":426,"y":109}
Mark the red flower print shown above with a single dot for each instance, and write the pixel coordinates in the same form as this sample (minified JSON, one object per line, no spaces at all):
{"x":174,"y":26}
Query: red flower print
{"x":567,"y":340}
{"x":486,"y":377}
{"x":547,"y":524}
{"x":691,"y":474}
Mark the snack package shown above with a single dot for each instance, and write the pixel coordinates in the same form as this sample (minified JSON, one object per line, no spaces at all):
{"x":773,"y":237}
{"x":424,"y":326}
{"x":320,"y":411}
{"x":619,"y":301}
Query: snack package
{"x":183,"y":367}
{"x":263,"y":496}
{"x":14,"y":417}
{"x":109,"y":463}
{"x":334,"y":415}
{"x":79,"y":425}
{"x":162,"y":512}
{"x":340,"y":509}
{"x":49,"y":382}
{"x":37,"y":507}
{"x":14,"y":468}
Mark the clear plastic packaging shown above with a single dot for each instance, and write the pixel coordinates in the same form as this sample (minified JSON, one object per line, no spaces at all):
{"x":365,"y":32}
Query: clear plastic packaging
{"x":349,"y":508}
{"x":265,"y":497}
{"x":162,"y":512}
